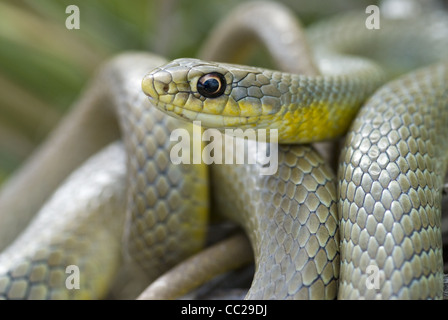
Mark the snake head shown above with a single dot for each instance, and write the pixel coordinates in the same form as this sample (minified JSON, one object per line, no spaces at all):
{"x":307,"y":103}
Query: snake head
{"x":217,"y":94}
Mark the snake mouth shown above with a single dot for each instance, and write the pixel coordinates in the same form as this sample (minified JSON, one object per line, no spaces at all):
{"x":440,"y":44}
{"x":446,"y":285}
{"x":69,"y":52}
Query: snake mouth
{"x":206,"y":119}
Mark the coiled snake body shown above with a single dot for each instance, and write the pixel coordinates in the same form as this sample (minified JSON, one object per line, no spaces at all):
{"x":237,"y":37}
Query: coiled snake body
{"x":390,"y":174}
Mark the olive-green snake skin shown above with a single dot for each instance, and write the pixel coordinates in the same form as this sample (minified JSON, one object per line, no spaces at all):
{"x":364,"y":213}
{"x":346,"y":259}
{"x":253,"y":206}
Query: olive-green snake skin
{"x":313,"y":237}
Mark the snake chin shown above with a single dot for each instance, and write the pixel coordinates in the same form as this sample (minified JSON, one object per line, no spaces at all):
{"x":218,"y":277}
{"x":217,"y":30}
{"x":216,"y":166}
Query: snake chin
{"x":174,"y":111}
{"x":215,"y":121}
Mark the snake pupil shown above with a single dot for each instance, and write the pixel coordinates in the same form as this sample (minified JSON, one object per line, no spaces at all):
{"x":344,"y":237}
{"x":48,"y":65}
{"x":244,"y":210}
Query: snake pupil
{"x":211,"y":85}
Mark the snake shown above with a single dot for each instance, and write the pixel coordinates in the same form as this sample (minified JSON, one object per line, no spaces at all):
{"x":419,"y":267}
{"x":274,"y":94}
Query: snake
{"x":313,"y":236}
{"x":389,"y":178}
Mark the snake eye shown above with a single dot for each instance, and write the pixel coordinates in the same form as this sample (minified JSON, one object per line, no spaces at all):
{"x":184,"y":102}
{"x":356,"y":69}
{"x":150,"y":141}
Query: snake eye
{"x":211,"y":85}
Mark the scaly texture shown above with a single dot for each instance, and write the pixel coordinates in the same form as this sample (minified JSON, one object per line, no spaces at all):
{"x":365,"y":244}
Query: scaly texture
{"x":391,"y":176}
{"x":83,"y":223}
{"x":291,"y":220}
{"x":167,"y":203}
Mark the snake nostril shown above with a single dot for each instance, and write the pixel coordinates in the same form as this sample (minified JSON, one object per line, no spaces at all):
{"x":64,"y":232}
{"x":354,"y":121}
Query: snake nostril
{"x":166,"y":87}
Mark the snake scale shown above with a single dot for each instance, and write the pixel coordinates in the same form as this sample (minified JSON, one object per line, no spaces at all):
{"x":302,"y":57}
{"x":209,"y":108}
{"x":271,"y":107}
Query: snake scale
{"x":313,"y":238}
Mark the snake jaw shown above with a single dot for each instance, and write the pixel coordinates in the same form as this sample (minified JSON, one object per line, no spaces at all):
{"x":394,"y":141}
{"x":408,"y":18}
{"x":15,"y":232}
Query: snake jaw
{"x":207,"y":120}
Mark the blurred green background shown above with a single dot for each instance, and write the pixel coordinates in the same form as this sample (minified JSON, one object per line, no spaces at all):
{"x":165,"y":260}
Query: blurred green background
{"x":44,"y":66}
